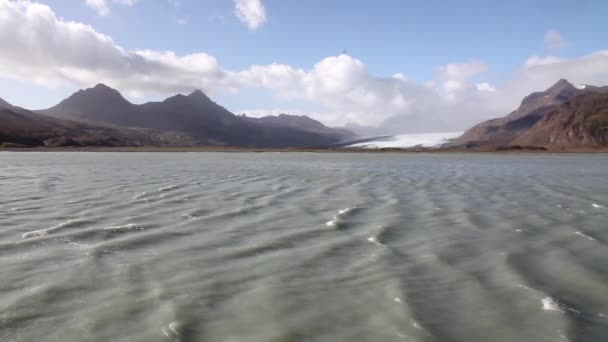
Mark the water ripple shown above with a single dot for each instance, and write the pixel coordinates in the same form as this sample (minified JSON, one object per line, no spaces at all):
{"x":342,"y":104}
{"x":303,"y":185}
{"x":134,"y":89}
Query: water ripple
{"x":331,"y":247}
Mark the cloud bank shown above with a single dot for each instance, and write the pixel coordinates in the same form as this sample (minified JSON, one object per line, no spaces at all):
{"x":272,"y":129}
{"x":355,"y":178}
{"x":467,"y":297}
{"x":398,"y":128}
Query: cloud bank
{"x":36,"y":45}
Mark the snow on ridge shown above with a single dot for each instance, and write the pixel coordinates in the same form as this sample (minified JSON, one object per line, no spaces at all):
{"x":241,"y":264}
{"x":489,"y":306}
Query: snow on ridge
{"x":410,"y":140}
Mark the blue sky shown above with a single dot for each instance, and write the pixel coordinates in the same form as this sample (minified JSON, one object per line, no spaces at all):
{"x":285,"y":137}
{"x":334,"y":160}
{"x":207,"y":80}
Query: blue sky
{"x":416,"y":39}
{"x":412,"y":37}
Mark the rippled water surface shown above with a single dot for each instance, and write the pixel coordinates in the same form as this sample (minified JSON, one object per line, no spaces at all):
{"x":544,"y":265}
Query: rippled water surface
{"x":303,"y":247}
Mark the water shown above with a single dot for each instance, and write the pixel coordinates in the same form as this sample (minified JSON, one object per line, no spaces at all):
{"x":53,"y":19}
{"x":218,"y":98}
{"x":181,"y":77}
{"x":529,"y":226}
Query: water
{"x":303,"y":247}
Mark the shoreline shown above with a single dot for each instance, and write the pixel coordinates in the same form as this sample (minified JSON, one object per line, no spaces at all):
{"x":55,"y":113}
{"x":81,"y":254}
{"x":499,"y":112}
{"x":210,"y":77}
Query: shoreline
{"x":218,"y":149}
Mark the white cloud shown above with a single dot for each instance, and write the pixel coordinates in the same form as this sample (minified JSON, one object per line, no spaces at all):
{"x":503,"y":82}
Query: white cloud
{"x":454,"y":101}
{"x":485,"y":87}
{"x":341,"y":83}
{"x":457,"y":77}
{"x":589,"y":69}
{"x":400,"y":76}
{"x":462,"y":71}
{"x":536,"y":61}
{"x":554,"y":41}
{"x":40,"y":47}
{"x":250,"y":12}
{"x":98,"y":5}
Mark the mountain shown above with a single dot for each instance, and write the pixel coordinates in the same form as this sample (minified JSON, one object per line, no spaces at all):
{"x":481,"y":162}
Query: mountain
{"x":198,"y":116}
{"x":98,"y":104}
{"x":25,"y":128}
{"x":4,"y":104}
{"x":285,"y":120}
{"x":581,"y":122}
{"x":300,"y":122}
{"x":533,"y":108}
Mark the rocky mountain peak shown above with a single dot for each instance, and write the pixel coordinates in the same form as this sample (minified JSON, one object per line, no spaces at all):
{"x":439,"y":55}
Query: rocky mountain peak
{"x":198,"y":94}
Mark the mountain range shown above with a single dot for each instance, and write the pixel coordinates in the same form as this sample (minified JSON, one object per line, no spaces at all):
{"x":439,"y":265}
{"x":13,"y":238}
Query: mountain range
{"x":199,"y":117}
{"x":562,"y":117}
{"x":20,"y":127}
{"x":102,"y":116}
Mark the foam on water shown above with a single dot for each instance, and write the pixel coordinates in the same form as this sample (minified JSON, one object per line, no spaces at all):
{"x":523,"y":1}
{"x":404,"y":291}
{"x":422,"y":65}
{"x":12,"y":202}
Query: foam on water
{"x":581,"y":234}
{"x":375,"y":241}
{"x":549,"y":304}
{"x":45,"y":232}
{"x":126,"y":228}
{"x":521,"y":286}
{"x":415,"y":324}
{"x":36,"y":234}
{"x":188,"y":216}
{"x":345,"y":211}
{"x":597,"y":206}
{"x":74,"y":244}
{"x":175,"y":328}
{"x":335,"y":221}
{"x":168,"y":188}
{"x":139,"y":195}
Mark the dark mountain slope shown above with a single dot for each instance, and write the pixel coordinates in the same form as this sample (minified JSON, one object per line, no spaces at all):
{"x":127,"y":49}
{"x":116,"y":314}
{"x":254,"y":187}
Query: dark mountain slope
{"x":4,"y":104}
{"x":502,"y":131}
{"x":196,"y":115}
{"x":98,"y":104}
{"x":579,"y":123}
{"x":302,"y":123}
{"x":21,"y":127}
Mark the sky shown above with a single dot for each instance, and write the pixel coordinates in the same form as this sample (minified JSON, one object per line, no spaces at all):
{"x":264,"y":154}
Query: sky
{"x":402,"y":66}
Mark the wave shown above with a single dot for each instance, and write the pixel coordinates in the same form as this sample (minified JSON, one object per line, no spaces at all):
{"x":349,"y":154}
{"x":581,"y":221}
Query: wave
{"x":585,"y":236}
{"x":47,"y":231}
{"x":125,"y":228}
{"x":168,"y":188}
{"x":549,"y":304}
{"x":140,"y":195}
{"x":338,"y":218}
